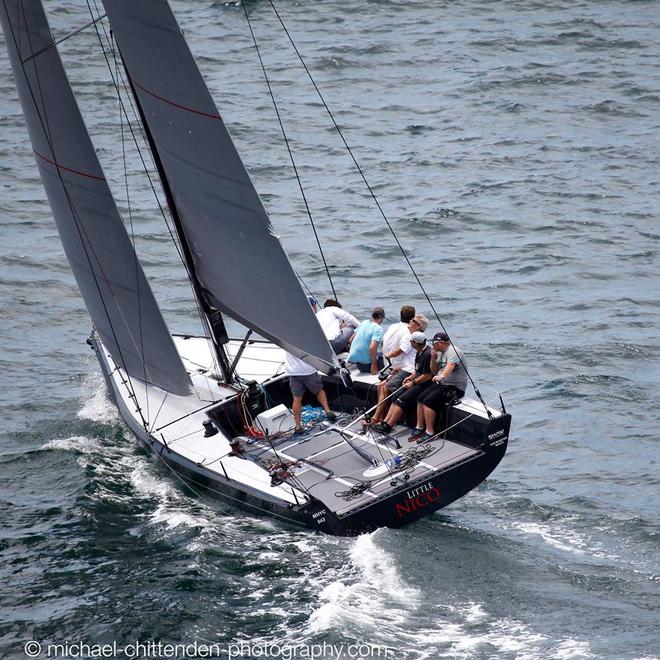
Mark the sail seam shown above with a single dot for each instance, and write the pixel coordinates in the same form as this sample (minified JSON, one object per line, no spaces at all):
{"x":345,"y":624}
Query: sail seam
{"x":116,"y":82}
{"x":173,"y":103}
{"x":68,"y":169}
{"x":45,"y":126}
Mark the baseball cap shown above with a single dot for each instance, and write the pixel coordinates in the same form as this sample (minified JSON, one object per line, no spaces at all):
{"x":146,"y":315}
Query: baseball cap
{"x":418,"y":337}
{"x":441,"y":336}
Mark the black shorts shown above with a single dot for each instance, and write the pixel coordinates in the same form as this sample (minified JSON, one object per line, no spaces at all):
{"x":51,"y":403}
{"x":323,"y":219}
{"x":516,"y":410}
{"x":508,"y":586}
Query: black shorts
{"x":439,"y":394}
{"x":409,"y":398}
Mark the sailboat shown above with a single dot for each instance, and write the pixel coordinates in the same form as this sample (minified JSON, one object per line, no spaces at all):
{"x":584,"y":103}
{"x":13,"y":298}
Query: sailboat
{"x":215,"y":410}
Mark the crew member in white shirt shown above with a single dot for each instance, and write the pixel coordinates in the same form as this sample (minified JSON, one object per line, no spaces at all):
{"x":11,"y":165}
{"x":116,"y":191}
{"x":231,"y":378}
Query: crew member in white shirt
{"x":401,"y":355}
{"x":337,"y":324}
{"x":304,"y":377}
{"x":395,"y":334}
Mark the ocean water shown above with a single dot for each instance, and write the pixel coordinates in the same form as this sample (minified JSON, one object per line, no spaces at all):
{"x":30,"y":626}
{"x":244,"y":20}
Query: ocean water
{"x":514,"y":148}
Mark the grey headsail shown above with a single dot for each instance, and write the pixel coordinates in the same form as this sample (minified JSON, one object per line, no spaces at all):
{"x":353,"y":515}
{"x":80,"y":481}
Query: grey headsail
{"x":238,"y":259}
{"x":95,"y":240}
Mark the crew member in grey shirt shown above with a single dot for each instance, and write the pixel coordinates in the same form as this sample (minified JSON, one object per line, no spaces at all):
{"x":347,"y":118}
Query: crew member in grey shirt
{"x":448,"y":384}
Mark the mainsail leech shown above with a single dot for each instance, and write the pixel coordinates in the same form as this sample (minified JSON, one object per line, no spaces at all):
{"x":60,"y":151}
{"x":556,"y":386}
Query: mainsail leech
{"x":238,"y":260}
{"x":99,"y":250}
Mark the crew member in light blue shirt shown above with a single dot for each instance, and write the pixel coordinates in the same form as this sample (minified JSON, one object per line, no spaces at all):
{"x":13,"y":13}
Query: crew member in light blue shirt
{"x":366,"y":342}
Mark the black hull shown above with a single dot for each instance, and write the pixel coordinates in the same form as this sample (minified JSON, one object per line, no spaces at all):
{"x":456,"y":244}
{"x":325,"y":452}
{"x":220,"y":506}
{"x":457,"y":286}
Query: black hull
{"x":414,"y":500}
{"x":421,"y":498}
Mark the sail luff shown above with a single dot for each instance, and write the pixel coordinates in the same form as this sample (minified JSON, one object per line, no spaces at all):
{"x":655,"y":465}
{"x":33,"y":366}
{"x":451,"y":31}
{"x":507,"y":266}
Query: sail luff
{"x":237,"y":257}
{"x":95,"y":241}
{"x":206,"y":312}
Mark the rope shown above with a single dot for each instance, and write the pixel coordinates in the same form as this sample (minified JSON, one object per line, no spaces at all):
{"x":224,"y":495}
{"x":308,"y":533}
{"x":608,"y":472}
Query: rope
{"x":354,"y":491}
{"x":246,"y":414}
{"x":288,"y":146}
{"x":373,"y":196}
{"x":130,"y":219}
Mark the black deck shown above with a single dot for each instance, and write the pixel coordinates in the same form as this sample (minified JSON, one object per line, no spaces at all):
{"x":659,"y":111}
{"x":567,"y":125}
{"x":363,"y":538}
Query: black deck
{"x":325,"y":448}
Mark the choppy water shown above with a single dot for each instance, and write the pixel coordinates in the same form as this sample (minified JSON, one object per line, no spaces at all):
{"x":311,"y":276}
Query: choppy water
{"x":515,"y":148}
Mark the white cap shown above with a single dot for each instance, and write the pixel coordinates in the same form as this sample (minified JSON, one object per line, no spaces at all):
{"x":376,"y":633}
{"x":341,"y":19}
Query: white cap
{"x":418,"y":337}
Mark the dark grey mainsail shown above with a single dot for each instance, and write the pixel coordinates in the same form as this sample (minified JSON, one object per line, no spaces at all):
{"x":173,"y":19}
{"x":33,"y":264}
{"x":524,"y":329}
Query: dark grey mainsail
{"x":95,"y":241}
{"x":238,"y":260}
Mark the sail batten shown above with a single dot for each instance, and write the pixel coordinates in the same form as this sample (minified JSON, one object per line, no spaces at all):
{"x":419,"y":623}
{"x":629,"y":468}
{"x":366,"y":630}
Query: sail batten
{"x":98,"y":248}
{"x":237,"y":257}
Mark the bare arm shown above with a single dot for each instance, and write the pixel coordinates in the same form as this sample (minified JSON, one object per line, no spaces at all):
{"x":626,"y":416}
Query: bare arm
{"x":394,"y":353}
{"x":403,"y":347}
{"x":423,"y":378}
{"x":416,"y":379}
{"x":445,"y":372}
{"x":373,"y":352}
{"x":434,"y":362}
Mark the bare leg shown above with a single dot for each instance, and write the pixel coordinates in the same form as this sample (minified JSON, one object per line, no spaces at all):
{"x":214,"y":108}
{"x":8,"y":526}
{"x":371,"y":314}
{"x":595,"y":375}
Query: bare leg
{"x":429,"y":418}
{"x":297,"y":410}
{"x":380,"y":411}
{"x":394,"y":414}
{"x":420,"y":416}
{"x":323,"y":400}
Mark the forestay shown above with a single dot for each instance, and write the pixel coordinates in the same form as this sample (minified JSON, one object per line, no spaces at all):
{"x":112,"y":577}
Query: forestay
{"x":95,"y":240}
{"x":238,"y":260}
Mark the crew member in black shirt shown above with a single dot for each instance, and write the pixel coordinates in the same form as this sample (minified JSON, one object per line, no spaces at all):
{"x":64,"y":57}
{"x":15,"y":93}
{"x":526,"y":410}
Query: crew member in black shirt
{"x":414,"y":384}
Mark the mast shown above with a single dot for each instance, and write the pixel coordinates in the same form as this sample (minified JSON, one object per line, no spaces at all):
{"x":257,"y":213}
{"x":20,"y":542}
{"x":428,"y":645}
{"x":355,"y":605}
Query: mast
{"x":233,"y":252}
{"x":211,"y":316}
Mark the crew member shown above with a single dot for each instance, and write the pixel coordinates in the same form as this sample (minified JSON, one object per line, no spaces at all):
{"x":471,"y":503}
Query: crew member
{"x":366,"y":341}
{"x":304,"y":377}
{"x":414,"y":385}
{"x":338,"y":325}
{"x":448,"y":384}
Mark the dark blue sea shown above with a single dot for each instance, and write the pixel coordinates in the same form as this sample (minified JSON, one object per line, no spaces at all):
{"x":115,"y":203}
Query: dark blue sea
{"x":515,"y":149}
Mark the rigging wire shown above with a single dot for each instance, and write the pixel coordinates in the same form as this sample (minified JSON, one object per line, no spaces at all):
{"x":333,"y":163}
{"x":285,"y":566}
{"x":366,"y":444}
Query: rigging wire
{"x":306,"y":287}
{"x":111,"y":45}
{"x":115,"y":83}
{"x":245,"y":413}
{"x":162,"y":403}
{"x":288,"y":146}
{"x":130,"y":219}
{"x":375,"y":199}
